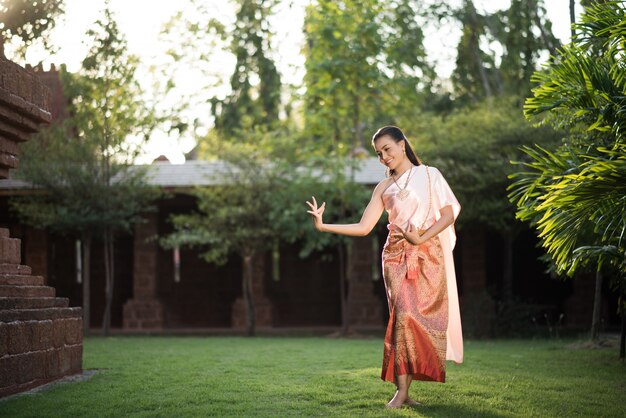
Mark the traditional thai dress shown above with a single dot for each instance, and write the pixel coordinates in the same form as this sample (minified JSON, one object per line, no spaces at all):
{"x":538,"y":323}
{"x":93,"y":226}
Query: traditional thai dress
{"x":424,"y":319}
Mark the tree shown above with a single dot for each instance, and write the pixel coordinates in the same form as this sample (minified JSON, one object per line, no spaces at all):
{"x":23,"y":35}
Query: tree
{"x":475,"y":75}
{"x":255,"y":83}
{"x":27,"y":21}
{"x":363,"y":58}
{"x":110,"y":108}
{"x":524,"y":34}
{"x":84,"y":165}
{"x":203,"y":33}
{"x":233,"y":216}
{"x":258,"y":201}
{"x":248,"y":114}
{"x":572,"y":17}
{"x":575,"y":195}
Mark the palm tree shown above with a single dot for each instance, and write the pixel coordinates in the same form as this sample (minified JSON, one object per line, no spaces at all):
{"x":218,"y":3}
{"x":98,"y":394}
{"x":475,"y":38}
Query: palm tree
{"x":576,"y":195}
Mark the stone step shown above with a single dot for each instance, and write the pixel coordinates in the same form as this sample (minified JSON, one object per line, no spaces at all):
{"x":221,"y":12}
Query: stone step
{"x":33,"y":303}
{"x":21,"y":280}
{"x":15,"y":269}
{"x":10,"y":250}
{"x":27,"y":291}
{"x":4,"y":233}
{"x":11,"y":315}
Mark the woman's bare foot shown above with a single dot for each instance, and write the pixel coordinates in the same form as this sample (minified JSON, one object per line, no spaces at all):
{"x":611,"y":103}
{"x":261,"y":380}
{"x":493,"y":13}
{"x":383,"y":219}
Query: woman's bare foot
{"x":412,"y":402}
{"x":398,"y":400}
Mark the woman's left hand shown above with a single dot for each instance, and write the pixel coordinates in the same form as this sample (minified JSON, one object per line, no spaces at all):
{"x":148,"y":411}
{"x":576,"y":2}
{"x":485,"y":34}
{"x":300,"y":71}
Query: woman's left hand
{"x":411,"y":235}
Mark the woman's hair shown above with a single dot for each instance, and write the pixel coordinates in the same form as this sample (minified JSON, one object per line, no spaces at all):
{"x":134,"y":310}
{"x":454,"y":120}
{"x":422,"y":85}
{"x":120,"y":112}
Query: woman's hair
{"x":396,"y":134}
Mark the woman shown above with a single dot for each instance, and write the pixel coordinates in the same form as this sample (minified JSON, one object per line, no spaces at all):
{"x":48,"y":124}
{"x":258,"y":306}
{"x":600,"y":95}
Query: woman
{"x":424,"y":322}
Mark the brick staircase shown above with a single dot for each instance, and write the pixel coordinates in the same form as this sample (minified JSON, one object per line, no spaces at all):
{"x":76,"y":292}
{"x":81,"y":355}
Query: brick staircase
{"x":40,"y":336}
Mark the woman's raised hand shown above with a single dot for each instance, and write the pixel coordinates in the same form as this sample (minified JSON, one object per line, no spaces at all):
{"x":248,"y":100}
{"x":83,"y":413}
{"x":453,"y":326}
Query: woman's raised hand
{"x":316,"y":212}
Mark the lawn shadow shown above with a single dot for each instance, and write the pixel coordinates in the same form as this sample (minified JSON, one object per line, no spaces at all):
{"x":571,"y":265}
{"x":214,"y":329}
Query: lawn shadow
{"x":454,"y":410}
{"x":337,"y":390}
{"x":83,"y":376}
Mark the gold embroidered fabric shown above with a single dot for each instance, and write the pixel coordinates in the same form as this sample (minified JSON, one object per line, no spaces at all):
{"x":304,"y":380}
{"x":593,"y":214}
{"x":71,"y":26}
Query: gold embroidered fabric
{"x":415,"y":281}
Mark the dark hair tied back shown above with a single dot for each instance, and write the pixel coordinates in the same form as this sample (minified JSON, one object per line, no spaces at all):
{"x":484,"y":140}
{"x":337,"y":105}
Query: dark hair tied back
{"x":397,"y":135}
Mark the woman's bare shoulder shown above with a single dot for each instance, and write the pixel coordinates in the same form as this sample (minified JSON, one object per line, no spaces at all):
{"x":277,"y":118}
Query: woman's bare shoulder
{"x":383,"y":184}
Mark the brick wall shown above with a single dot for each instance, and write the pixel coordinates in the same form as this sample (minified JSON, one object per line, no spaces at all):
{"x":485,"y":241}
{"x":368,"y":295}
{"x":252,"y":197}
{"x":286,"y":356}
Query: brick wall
{"x":24,"y":104}
{"x":40,"y":335}
{"x":367,"y":308}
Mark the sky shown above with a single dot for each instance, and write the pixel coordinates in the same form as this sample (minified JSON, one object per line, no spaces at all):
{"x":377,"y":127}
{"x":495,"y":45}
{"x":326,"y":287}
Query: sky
{"x":142,"y":20}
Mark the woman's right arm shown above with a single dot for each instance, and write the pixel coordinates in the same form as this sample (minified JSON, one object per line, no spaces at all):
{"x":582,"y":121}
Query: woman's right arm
{"x":370,"y":216}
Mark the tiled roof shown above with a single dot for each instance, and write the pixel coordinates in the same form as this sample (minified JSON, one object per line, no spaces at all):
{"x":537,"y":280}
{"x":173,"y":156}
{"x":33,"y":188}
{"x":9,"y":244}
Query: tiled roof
{"x":204,"y":173}
{"x":191,"y":173}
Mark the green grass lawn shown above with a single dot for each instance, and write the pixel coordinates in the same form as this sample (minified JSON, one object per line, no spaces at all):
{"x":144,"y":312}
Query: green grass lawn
{"x":275,"y":377}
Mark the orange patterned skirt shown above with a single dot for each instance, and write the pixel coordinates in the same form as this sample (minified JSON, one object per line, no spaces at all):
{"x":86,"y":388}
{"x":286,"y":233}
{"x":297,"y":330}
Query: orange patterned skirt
{"x":415,"y":281}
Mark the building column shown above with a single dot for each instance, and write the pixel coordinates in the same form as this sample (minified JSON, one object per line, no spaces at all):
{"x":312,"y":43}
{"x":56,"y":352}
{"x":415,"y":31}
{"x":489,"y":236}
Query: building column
{"x":262,"y":305}
{"x":144,"y":311}
{"x":366,"y":309}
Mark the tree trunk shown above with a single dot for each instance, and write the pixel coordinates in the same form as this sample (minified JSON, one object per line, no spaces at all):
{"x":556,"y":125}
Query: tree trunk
{"x":348,"y":294}
{"x":476,"y":50}
{"x":622,"y":340}
{"x":248,"y":297}
{"x":597,"y":307}
{"x":544,"y":36}
{"x":572,"y":16}
{"x":357,"y":126}
{"x":507,"y":275}
{"x":86,"y":238}
{"x":109,"y":272}
{"x":344,"y":299}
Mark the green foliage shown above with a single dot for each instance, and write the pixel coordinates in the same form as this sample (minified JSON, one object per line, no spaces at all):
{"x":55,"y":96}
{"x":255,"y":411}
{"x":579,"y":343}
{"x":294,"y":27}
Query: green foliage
{"x":522,"y":32}
{"x":200,"y":41}
{"x":364,"y":61}
{"x":575,"y":197}
{"x":526,"y":34}
{"x":234,"y":215}
{"x":473,"y":146}
{"x":584,"y":89}
{"x":106,"y":96}
{"x":192,"y":39}
{"x":331,"y":182}
{"x":475,"y":75}
{"x":83,"y":166}
{"x":260,"y":197}
{"x":231,"y":217}
{"x":255,"y":83}
{"x":70,"y":187}
{"x":28,"y":21}
{"x":575,"y":194}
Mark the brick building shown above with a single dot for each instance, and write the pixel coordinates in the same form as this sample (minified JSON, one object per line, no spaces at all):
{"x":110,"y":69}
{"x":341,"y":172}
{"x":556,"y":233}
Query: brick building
{"x":152,"y":294}
{"x":40,"y":335}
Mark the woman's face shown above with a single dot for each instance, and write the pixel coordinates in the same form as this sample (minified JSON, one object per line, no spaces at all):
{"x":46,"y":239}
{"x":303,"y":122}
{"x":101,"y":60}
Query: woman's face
{"x":390,"y":153}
